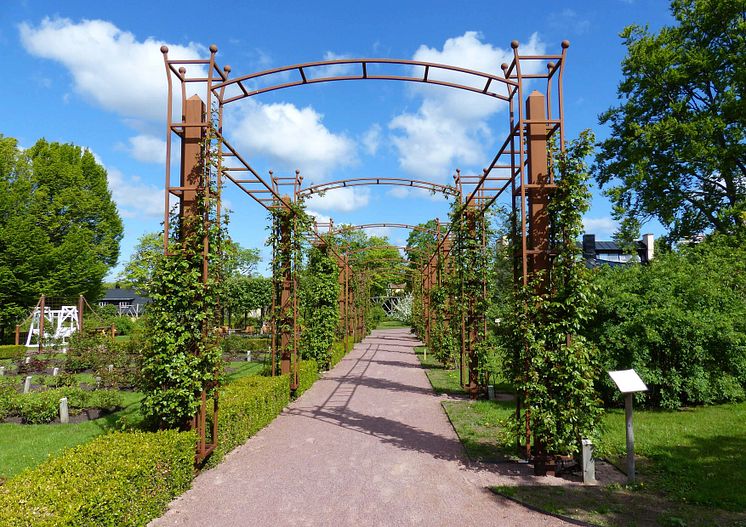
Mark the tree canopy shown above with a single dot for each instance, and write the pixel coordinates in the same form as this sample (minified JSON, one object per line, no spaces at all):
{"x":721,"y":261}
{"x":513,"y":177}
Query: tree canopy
{"x":677,"y":149}
{"x":59,"y":227}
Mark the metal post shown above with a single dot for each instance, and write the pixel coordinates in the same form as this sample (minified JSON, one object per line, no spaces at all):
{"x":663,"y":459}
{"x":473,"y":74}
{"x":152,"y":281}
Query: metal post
{"x":18,"y":335}
{"x":80,"y":314}
{"x":630,"y":438}
{"x":286,"y":277}
{"x":42,"y":316}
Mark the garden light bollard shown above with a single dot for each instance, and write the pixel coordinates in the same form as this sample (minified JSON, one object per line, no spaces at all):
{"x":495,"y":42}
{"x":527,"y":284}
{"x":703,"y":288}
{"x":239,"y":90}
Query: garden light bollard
{"x":28,"y":360}
{"x":248,"y":356}
{"x":491,"y":392}
{"x":111,"y":368}
{"x":27,"y":384}
{"x":629,"y":383}
{"x":589,"y":464}
{"x":55,"y":372}
{"x":64,"y":412}
{"x":2,"y":371}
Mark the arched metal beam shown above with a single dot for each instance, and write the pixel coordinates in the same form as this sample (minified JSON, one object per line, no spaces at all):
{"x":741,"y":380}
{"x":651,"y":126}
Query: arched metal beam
{"x":344,"y":228}
{"x":482,"y":81}
{"x":358,"y":182}
{"x":371,"y":247}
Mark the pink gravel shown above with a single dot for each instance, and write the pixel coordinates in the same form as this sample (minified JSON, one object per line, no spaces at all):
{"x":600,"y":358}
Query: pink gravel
{"x":368,"y":444}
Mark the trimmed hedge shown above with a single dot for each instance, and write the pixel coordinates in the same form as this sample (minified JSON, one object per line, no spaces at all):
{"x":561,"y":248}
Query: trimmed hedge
{"x":235,"y":344}
{"x":119,"y":479}
{"x":308,"y":373}
{"x":246,"y":406}
{"x":12,"y":352}
{"x":43,"y":407}
{"x":338,"y":351}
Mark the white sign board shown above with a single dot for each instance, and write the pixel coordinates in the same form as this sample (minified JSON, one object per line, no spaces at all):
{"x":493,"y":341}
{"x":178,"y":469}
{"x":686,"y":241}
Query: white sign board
{"x":628,"y":381}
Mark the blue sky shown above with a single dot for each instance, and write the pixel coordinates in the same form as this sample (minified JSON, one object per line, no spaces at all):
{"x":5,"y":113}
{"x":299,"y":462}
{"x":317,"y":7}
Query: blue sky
{"x":90,"y":73}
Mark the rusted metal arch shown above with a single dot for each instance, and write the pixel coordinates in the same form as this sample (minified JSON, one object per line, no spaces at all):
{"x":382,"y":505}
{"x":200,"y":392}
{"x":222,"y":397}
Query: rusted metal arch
{"x":345,"y":228}
{"x":358,"y":182}
{"x":371,"y":247}
{"x":305,"y":76}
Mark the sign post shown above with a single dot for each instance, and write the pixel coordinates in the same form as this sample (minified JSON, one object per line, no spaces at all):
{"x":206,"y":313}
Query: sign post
{"x":629,"y":383}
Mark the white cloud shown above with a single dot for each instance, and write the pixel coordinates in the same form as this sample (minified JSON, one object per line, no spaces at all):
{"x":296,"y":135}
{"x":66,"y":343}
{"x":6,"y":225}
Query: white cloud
{"x":450,"y":127}
{"x":372,"y":139}
{"x":320,"y":218}
{"x":135,"y":198}
{"x":399,"y":192}
{"x":109,"y":66}
{"x":290,"y":136}
{"x":600,"y":226}
{"x":333,"y":70}
{"x":341,"y":199}
{"x":147,"y":148}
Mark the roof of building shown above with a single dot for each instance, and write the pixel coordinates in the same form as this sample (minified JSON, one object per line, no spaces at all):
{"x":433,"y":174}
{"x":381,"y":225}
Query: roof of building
{"x":124,"y":294}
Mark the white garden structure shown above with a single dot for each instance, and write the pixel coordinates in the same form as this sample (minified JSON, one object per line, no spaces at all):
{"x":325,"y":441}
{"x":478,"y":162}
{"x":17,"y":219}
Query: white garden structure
{"x":59,"y":325}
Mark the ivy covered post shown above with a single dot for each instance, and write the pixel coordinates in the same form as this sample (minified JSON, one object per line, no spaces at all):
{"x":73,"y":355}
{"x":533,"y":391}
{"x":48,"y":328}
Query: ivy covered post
{"x":554,"y":368}
{"x":181,"y":358}
{"x":285,"y":306}
{"x":321,"y":293}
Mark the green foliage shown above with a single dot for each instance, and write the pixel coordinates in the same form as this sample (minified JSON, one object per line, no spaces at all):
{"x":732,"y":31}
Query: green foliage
{"x":59,"y":227}
{"x":375,"y":316}
{"x":245,"y":294}
{"x":139,"y":270}
{"x":12,"y":352}
{"x":308,"y":373}
{"x":553,"y":368}
{"x":338,"y":351}
{"x":233,"y":344}
{"x":246,"y":406}
{"x":677,"y":148}
{"x":96,"y":351}
{"x":181,"y":357}
{"x":116,"y":480}
{"x":680,"y":322}
{"x":43,"y":406}
{"x":320,"y":306}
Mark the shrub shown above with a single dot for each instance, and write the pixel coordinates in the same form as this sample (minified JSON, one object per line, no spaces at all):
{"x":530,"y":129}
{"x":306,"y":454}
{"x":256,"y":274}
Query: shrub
{"x":237,"y":344}
{"x":246,"y":406}
{"x":680,"y":322}
{"x":8,"y":396}
{"x":119,"y":479}
{"x":375,"y":316}
{"x":308,"y":372}
{"x":87,"y":351}
{"x":338,"y":351}
{"x":12,"y":352}
{"x":43,"y":407}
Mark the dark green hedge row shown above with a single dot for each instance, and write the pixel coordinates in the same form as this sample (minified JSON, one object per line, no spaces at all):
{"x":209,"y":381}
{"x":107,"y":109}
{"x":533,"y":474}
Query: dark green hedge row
{"x":43,"y":407}
{"x":239,"y":344}
{"x":119,"y":479}
{"x":338,"y":351}
{"x":308,"y":372}
{"x":12,"y":352}
{"x":246,"y":406}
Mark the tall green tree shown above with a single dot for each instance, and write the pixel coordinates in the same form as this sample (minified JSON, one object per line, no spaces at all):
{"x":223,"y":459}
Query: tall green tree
{"x":59,"y":227}
{"x":677,"y":148}
{"x":139,"y":269}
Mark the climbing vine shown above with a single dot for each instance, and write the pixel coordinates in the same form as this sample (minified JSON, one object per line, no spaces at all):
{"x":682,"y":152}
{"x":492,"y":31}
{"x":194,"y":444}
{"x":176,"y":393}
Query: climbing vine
{"x":553,"y":368}
{"x":320,"y":305}
{"x":182,"y":354}
{"x":288,"y":222}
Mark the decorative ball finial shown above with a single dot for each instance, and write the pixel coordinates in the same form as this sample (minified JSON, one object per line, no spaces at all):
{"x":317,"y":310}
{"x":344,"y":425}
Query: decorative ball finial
{"x":164,"y":49}
{"x":504,"y":66}
{"x":182,"y":70}
{"x":565,"y":44}
{"x":297,"y":171}
{"x":213,"y":48}
{"x":227,"y":68}
{"x":550,"y":65}
{"x":514,"y":44}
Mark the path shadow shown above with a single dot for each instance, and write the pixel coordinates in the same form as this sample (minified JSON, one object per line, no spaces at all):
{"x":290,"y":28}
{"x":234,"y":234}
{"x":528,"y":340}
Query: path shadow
{"x":390,"y":431}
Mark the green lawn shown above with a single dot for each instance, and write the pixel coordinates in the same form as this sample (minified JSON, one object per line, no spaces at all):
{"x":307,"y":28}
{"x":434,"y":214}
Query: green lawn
{"x":443,"y":381}
{"x":24,"y":446}
{"x":240,"y":369}
{"x":696,"y":455}
{"x":391,"y":324}
{"x":690,"y":462}
{"x":480,"y":426}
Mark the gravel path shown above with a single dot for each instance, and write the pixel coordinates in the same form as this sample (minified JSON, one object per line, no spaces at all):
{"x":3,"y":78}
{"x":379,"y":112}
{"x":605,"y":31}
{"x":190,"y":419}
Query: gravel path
{"x":367,"y":445}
